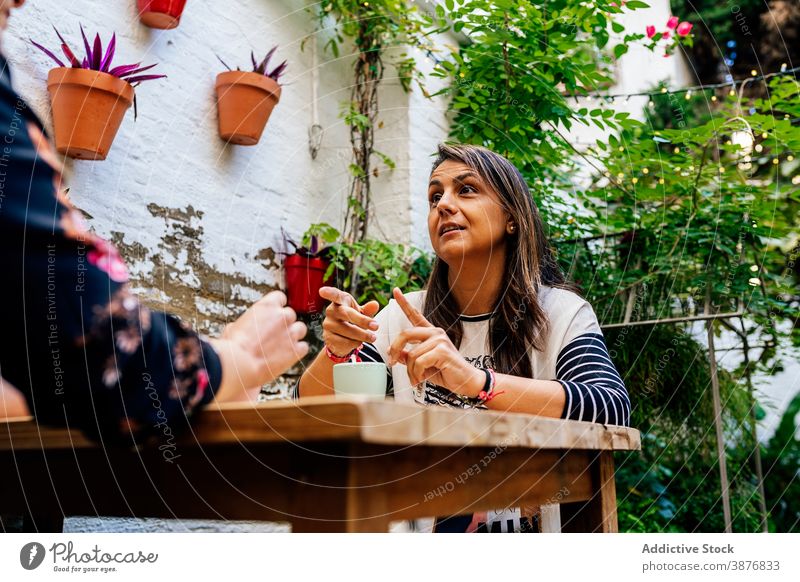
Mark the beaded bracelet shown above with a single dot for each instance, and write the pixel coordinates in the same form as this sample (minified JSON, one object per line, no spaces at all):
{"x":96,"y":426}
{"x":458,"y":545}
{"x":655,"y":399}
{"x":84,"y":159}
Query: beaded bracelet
{"x":342,"y":359}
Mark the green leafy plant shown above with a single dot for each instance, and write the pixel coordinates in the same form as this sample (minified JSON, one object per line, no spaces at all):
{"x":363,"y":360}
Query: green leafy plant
{"x":378,"y":266}
{"x":781,"y":462}
{"x":374,"y":28}
{"x":695,"y":208}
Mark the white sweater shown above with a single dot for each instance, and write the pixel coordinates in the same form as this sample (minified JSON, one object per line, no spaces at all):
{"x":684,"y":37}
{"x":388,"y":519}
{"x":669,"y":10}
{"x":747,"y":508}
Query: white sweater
{"x":575,"y":355}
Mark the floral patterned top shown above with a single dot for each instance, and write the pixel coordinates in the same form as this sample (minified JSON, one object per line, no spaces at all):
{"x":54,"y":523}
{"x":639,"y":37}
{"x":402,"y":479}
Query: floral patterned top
{"x":76,"y":341}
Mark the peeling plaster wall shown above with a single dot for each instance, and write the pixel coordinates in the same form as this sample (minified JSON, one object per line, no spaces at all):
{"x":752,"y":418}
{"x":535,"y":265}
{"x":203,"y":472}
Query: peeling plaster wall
{"x":198,"y":221}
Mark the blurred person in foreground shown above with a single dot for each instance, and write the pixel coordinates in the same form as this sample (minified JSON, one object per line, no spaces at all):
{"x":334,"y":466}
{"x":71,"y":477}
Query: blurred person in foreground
{"x":78,"y":348}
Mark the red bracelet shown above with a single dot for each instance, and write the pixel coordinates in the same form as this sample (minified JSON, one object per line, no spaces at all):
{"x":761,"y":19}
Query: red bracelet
{"x":342,"y":359}
{"x":488,"y":392}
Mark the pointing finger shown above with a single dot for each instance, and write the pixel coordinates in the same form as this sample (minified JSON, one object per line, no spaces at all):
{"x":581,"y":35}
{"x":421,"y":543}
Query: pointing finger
{"x":412,"y":313}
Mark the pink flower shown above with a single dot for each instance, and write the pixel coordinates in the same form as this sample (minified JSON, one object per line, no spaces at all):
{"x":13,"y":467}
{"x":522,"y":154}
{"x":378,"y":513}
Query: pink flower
{"x":684,"y":28}
{"x":672,"y":22}
{"x":665,"y":34}
{"x":651,"y":31}
{"x":105,"y":257}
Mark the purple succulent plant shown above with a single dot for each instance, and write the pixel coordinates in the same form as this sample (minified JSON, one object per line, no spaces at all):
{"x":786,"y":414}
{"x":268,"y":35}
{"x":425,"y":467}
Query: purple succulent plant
{"x":262,"y":67}
{"x":98,"y":60}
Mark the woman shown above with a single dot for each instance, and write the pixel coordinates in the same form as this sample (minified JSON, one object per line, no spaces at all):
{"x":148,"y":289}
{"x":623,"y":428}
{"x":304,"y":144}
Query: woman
{"x":498,"y":327}
{"x":77,"y":344}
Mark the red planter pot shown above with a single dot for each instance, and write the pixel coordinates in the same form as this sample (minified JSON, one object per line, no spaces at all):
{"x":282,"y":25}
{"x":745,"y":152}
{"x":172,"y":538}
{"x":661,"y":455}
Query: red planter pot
{"x":304,"y":277}
{"x":161,"y":14}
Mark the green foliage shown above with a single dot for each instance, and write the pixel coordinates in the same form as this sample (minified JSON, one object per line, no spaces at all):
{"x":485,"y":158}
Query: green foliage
{"x":511,"y":83}
{"x":377,"y":28}
{"x":781,"y":461}
{"x":709,"y":217}
{"x":674,"y":214}
{"x":672,"y":484}
{"x":375,"y":266}
{"x":720,"y":18}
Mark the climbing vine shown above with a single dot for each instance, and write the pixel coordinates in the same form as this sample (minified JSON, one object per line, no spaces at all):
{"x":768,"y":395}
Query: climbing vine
{"x":375,"y":29}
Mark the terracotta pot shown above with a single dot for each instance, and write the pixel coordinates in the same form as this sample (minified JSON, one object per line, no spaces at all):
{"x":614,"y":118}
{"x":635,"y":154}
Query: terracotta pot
{"x":304,"y":277}
{"x":244,"y":103}
{"x":163,"y":14}
{"x":88,"y":108}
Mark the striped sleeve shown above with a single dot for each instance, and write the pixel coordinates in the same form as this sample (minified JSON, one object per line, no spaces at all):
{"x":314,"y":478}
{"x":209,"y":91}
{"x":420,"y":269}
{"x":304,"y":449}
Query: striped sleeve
{"x":370,"y":353}
{"x":594,"y":390}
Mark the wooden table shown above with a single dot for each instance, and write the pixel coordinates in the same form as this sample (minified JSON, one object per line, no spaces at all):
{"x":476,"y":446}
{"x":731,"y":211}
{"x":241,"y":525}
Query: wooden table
{"x":323,"y":464}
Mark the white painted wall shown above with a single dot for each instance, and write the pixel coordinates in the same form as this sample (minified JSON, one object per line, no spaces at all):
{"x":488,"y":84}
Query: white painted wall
{"x":171,"y":157}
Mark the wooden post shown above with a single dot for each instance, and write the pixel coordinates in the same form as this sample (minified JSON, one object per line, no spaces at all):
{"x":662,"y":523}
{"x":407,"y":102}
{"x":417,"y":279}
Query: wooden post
{"x":723,"y":466}
{"x":550,"y":518}
{"x":762,"y":500}
{"x":598,"y":514}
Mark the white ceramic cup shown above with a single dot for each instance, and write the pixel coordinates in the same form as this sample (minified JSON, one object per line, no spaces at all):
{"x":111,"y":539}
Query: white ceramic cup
{"x":360,"y":379}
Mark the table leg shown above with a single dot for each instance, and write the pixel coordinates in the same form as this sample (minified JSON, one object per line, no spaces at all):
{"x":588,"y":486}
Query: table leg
{"x":550,"y":518}
{"x":598,"y":514}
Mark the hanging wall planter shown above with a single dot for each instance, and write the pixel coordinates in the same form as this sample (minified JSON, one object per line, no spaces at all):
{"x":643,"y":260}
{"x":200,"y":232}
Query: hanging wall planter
{"x":162,"y":14}
{"x":88,"y":108}
{"x":89,"y":99}
{"x":245,"y":100}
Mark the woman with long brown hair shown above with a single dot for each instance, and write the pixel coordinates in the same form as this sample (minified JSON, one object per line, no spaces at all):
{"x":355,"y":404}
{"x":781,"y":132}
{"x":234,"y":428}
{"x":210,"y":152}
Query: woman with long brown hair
{"x":497,"y":327}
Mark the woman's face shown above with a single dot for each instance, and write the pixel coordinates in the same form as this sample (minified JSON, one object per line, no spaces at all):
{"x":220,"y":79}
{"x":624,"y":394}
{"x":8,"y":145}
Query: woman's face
{"x":5,"y":11}
{"x":466,"y":219}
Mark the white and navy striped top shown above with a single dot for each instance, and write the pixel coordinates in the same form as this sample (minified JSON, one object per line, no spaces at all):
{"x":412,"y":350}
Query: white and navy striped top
{"x":575,"y":355}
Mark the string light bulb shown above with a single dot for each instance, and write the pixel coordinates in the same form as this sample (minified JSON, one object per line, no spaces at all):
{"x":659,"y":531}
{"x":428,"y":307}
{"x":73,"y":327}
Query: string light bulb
{"x":745,"y":140}
{"x":790,"y":158}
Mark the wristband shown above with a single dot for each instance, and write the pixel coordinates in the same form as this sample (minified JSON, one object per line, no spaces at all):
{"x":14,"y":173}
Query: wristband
{"x":342,"y":359}
{"x":488,"y":391}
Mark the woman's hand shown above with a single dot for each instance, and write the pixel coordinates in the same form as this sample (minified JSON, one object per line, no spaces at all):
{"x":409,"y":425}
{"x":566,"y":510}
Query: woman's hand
{"x":258,"y":347}
{"x":347,"y":324}
{"x":432,"y":356}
